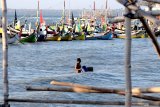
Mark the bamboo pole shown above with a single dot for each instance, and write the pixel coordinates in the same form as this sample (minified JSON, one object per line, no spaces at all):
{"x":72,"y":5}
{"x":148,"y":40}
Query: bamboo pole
{"x":153,"y":1}
{"x":5,"y":52}
{"x":136,"y":91}
{"x":146,"y":90}
{"x":66,"y":101}
{"x":73,"y":89}
{"x":122,"y":19}
{"x":105,"y":90}
{"x":128,"y":93}
{"x":85,"y":87}
{"x":149,"y":103}
{"x":82,"y":102}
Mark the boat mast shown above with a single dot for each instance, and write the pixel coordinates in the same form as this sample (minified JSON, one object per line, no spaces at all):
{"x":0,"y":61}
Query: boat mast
{"x":38,"y":13}
{"x":106,"y":11}
{"x":15,"y":18}
{"x":94,"y":9}
{"x":69,"y":13}
{"x":64,"y":18}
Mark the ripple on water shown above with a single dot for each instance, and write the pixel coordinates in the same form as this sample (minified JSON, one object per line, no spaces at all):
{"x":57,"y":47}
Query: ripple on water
{"x":38,"y":64}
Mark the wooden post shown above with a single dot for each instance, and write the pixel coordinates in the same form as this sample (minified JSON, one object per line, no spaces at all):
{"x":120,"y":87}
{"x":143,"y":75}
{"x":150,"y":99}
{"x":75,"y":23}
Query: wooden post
{"x":5,"y":52}
{"x":128,"y":92}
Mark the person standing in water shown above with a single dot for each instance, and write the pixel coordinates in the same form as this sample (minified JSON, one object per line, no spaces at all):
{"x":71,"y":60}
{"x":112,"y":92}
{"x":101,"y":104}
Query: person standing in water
{"x":78,"y":66}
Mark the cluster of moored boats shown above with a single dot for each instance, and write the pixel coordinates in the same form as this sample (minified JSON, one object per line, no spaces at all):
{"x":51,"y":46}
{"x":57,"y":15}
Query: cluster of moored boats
{"x":66,"y":33}
{"x":80,"y":29}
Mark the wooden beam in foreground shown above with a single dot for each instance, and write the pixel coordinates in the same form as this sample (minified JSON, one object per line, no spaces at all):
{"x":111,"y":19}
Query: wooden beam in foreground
{"x":82,"y":90}
{"x":82,"y":102}
{"x":105,"y":90}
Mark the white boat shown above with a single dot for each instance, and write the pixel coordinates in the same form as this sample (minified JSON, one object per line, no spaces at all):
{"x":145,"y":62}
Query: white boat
{"x":12,"y":40}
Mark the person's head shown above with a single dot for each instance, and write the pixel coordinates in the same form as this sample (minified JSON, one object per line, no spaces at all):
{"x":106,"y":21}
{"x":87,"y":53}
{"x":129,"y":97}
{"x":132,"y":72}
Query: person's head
{"x":79,"y":60}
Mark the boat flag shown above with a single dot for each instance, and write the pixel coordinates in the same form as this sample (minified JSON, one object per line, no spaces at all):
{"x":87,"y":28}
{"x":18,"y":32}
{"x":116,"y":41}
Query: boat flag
{"x":73,"y":22}
{"x":41,"y":18}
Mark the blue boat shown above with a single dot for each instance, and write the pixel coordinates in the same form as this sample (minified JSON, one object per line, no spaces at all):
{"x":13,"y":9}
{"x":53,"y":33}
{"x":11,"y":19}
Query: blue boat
{"x":100,"y":36}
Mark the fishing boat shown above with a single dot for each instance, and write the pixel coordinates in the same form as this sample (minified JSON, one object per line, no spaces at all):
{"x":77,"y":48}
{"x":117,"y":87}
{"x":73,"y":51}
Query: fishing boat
{"x":135,"y":34}
{"x":52,"y":37}
{"x":41,"y":33}
{"x":100,"y":36}
{"x":8,"y":31}
{"x":12,"y":40}
{"x":79,"y":36}
{"x":31,"y":38}
{"x":66,"y":37}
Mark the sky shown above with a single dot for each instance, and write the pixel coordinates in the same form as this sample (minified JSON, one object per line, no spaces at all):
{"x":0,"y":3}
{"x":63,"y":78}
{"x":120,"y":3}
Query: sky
{"x":58,"y":4}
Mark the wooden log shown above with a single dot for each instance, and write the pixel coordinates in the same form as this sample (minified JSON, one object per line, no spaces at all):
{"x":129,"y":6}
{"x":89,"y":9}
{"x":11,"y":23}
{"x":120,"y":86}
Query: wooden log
{"x":153,"y":12}
{"x":66,"y":101}
{"x":140,"y":12}
{"x":73,"y":89}
{"x":77,"y":102}
{"x":105,"y":90}
{"x":148,"y":103}
{"x":153,"y":1}
{"x":82,"y":90}
{"x":85,"y":87}
{"x":117,"y":20}
{"x":121,"y":19}
{"x":146,"y":90}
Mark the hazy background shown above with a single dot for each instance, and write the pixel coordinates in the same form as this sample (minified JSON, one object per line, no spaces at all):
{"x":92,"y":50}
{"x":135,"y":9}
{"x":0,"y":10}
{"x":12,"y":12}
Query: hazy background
{"x":58,"y":4}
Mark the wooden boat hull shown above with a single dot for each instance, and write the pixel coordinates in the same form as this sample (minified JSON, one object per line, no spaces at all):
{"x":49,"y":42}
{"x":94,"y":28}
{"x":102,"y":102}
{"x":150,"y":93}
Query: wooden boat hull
{"x":140,"y":34}
{"x":31,"y":39}
{"x":66,"y":37}
{"x":12,"y":40}
{"x":53,"y":38}
{"x":79,"y":37}
{"x":100,"y":36}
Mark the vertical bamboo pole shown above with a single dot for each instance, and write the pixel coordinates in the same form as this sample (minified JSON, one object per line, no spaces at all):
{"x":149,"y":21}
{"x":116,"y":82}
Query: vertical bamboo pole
{"x":128,"y":61}
{"x":106,"y":7}
{"x":64,"y":14}
{"x":5,"y":52}
{"x":38,"y":13}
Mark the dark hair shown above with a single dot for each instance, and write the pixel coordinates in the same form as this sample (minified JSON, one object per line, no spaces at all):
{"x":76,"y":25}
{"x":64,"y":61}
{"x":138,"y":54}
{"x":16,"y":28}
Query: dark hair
{"x":79,"y":59}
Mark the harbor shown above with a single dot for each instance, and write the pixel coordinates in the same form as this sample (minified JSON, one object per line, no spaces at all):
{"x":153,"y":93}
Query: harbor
{"x":40,"y":51}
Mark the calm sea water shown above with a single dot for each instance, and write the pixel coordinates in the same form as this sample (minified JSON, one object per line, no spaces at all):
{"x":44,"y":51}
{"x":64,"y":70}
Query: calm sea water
{"x":39,"y":63}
